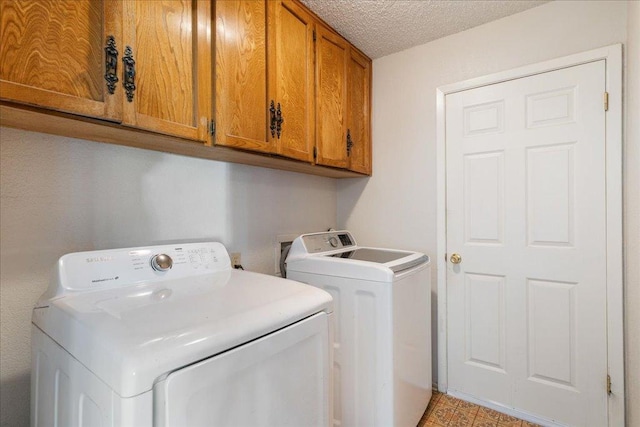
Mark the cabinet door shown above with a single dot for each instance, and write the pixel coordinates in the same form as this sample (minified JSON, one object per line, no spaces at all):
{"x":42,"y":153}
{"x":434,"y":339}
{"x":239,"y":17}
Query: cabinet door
{"x":291,"y":78}
{"x":241,"y":75}
{"x":359,"y":113}
{"x":331,"y":93}
{"x":171,"y":46}
{"x":52,"y":54}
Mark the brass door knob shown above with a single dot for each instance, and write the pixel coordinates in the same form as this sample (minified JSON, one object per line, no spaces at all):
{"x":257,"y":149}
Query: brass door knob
{"x":456,"y":258}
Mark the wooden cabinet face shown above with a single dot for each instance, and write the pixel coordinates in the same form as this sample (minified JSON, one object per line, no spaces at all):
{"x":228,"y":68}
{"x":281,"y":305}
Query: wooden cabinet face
{"x":331,"y":96}
{"x":240,"y":74}
{"x":52,"y":54}
{"x":358,"y":114}
{"x":264,"y":54}
{"x":170,"y":44}
{"x":55,"y":54}
{"x":291,"y":74}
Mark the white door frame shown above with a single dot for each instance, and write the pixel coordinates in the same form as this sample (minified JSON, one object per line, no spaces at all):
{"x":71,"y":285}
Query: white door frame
{"x":613,"y":148}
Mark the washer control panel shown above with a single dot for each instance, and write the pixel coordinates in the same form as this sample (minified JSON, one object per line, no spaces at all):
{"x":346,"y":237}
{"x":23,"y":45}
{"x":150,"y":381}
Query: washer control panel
{"x":119,"y":267}
{"x":328,"y":241}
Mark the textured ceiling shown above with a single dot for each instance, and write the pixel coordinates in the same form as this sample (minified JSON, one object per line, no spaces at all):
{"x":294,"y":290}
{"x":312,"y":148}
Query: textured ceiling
{"x":382,"y":27}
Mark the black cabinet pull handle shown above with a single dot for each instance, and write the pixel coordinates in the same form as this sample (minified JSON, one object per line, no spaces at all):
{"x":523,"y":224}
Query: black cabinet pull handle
{"x":349,"y":142}
{"x":111,"y":64}
{"x":272,"y":119}
{"x":129,"y":82}
{"x":279,"y":121}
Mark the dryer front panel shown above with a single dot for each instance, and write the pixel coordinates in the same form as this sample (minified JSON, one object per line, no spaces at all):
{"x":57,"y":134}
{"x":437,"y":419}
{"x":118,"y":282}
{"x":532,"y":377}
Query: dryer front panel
{"x":280,"y":379}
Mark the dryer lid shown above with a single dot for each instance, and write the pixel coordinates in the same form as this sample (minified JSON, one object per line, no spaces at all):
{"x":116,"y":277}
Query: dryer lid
{"x":130,"y":336}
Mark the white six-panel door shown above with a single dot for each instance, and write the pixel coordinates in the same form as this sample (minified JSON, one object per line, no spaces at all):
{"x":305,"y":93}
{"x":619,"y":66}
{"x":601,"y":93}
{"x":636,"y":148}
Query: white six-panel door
{"x":525,"y":183}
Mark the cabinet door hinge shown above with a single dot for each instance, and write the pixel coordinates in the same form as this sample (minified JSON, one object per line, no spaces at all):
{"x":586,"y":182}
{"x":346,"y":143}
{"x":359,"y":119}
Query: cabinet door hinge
{"x":315,"y":153}
{"x":212,"y":127}
{"x":606,"y":101}
{"x":314,"y":35}
{"x":608,"y":384}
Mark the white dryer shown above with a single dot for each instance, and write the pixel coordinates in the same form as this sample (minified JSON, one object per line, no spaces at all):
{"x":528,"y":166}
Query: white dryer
{"x":382,"y":338}
{"x":173,"y":336}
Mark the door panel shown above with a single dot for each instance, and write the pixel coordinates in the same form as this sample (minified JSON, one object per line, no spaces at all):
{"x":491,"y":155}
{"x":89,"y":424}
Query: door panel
{"x":485,"y":328}
{"x":550,"y":195}
{"x":170,"y":45}
{"x":240,"y":75}
{"x":526,"y":211}
{"x":551,"y":332}
{"x":52,"y":54}
{"x":293,"y":75}
{"x":484,"y":198}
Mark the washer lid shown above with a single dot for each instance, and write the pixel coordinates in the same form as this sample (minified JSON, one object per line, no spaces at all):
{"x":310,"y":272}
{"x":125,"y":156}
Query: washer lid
{"x":131,"y":336}
{"x":341,"y":264}
{"x":373,"y":255}
{"x":397,"y":261}
{"x":335,"y":253}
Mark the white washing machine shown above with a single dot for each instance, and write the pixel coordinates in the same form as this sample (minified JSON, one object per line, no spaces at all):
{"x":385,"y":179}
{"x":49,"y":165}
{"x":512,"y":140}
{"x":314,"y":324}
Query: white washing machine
{"x":173,"y":336}
{"x":382,"y":338}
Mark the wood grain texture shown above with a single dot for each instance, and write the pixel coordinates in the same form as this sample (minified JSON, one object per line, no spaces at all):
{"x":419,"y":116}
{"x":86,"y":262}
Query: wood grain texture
{"x":294,"y":79}
{"x":331,"y":98}
{"x":241,"y":106}
{"x":165,"y":39}
{"x":169,"y":47}
{"x":358,"y":111}
{"x":52,"y":54}
{"x":53,"y":45}
{"x":204,"y":67}
{"x":33,"y":119}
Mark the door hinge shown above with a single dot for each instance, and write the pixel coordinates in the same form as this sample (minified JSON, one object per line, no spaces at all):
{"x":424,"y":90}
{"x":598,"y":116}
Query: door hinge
{"x":212,"y":127}
{"x":606,"y":101}
{"x":315,"y":152}
{"x":608,"y":384}
{"x":314,"y":35}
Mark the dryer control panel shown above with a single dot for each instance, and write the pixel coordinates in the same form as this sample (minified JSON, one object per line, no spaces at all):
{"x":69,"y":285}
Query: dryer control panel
{"x":328,"y":241}
{"x":87,"y":271}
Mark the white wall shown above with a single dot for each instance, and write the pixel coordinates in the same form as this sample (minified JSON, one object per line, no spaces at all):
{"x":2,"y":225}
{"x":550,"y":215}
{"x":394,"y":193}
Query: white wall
{"x":61,"y":195}
{"x":396,"y":207}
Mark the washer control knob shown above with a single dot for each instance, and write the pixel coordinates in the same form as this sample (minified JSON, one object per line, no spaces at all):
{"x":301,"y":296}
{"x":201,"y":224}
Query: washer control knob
{"x":333,"y":241}
{"x":161,"y":262}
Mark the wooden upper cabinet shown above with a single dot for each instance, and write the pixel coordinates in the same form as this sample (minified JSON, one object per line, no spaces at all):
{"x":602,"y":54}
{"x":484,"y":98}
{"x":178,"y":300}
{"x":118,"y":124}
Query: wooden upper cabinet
{"x":273,"y":79}
{"x":264,"y":77}
{"x":146,"y":63}
{"x":241,"y":108}
{"x":291,"y":80}
{"x":52,"y":54}
{"x":331,"y":85}
{"x":169,"y":42}
{"x":280,"y":90}
{"x":359,"y":112}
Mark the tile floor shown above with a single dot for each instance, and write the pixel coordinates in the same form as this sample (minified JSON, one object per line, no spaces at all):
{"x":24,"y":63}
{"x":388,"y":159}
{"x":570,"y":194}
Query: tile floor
{"x":447,"y":411}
